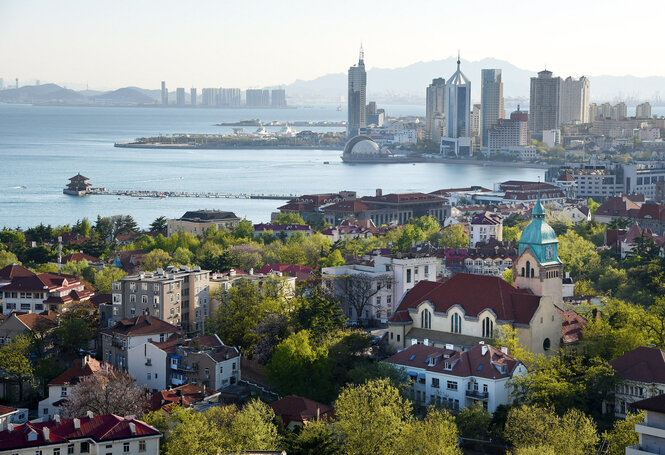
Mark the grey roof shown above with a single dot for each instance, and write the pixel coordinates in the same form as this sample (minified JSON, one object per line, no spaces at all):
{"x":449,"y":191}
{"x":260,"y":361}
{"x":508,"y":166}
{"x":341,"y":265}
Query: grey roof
{"x":208,"y":215}
{"x":445,"y":337}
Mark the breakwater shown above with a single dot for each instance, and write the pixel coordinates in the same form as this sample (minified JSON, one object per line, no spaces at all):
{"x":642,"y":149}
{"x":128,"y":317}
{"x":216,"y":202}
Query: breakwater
{"x":144,"y":194}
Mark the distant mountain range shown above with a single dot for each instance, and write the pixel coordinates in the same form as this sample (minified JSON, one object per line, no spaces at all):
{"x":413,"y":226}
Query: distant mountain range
{"x":399,"y":85}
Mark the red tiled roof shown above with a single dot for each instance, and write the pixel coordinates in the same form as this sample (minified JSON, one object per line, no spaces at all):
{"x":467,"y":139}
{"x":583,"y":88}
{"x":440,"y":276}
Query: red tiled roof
{"x":78,"y":257}
{"x":493,"y":365}
{"x":301,"y":272}
{"x":185,"y":395}
{"x":77,"y":372}
{"x":100,"y":428}
{"x":300,"y":409}
{"x":447,"y":191}
{"x":35,"y":321}
{"x":141,"y":325}
{"x":487,"y":218}
{"x":14,"y":270}
{"x":642,"y":364}
{"x":403,"y":198}
{"x":225,"y":351}
{"x":99,"y":299}
{"x":346,"y":206}
{"x":652,"y":211}
{"x":619,"y":206}
{"x":474,"y":293}
{"x":572,"y":325}
{"x":4,"y":410}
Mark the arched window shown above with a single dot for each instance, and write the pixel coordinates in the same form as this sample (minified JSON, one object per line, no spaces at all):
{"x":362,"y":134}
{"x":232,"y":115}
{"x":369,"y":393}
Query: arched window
{"x":488,"y":328}
{"x":456,"y":323}
{"x":532,"y":273}
{"x":426,"y":319}
{"x":528,"y":269}
{"x":522,"y":271}
{"x":546,"y":344}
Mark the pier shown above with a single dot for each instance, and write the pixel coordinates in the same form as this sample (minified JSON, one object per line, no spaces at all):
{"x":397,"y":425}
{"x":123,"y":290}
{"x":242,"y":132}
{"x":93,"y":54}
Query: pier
{"x":144,"y":194}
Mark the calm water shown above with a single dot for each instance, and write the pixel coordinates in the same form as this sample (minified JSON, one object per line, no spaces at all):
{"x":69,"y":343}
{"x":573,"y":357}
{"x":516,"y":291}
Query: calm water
{"x":42,"y":146}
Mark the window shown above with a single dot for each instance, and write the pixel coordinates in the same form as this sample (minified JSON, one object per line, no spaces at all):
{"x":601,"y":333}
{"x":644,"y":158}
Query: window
{"x":451,"y":385}
{"x":408,"y":275}
{"x":485,"y":388}
{"x":125,"y":447}
{"x":456,"y":323}
{"x":70,"y":449}
{"x":141,"y":446}
{"x":132,"y":298}
{"x":435,"y":383}
{"x":144,"y":286}
{"x":426,"y":319}
{"x":546,"y":344}
{"x":389,"y":300}
{"x":488,"y":328}
{"x":144,"y":299}
{"x":391,"y":335}
{"x":426,"y":269}
{"x":378,"y":300}
{"x":149,"y":376}
{"x":397,"y":337}
{"x":56,"y":451}
{"x":85,"y":447}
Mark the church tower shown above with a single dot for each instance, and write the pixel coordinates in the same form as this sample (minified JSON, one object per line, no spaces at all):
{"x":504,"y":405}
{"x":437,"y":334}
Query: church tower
{"x":538,"y":266}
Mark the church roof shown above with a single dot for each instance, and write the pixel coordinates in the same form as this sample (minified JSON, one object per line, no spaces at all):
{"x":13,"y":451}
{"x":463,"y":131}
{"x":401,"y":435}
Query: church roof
{"x":538,"y":234}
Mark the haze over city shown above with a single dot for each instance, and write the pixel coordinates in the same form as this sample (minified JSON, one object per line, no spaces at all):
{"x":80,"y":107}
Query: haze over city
{"x":112,"y":44}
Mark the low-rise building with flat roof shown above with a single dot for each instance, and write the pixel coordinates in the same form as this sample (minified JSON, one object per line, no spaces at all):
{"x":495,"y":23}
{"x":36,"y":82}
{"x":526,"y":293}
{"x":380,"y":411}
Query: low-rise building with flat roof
{"x":197,"y":221}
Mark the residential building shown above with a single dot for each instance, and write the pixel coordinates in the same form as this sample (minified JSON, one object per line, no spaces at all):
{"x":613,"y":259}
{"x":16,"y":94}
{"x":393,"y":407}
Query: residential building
{"x":179,"y":295}
{"x":192,"y":96}
{"x":642,"y":373}
{"x":435,"y":108}
{"x":94,"y":434}
{"x":208,"y":96}
{"x":576,"y":214}
{"x":491,"y":257}
{"x":544,"y":112}
{"x":523,"y":191}
{"x":651,"y":432}
{"x":257,"y":97}
{"x":466,"y":309}
{"x":619,"y":111}
{"x":278,"y":97}
{"x":615,"y":207}
{"x":491,"y":100}
{"x":474,"y":125}
{"x":203,"y":361}
{"x":197,"y":221}
{"x":391,"y":276}
{"x":186,"y":395}
{"x":16,"y":324}
{"x":388,"y":208}
{"x":7,"y":416}
{"x":285,"y":283}
{"x":308,"y":206}
{"x":443,"y":376}
{"x":129,"y":333}
{"x":485,"y":226}
{"x":298,"y":411}
{"x":299,"y":272}
{"x":62,"y":386}
{"x":282,"y":230}
{"x":574,"y":102}
{"x":165,"y":94}
{"x":551,"y":138}
{"x":180,"y":96}
{"x":508,"y":133}
{"x":643,"y":110}
{"x":458,"y":110}
{"x":357,"y":97}
{"x":597,"y":183}
{"x":29,"y":292}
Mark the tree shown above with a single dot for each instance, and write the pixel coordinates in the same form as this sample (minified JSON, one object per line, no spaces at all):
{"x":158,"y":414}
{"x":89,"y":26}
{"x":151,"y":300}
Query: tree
{"x":15,"y":364}
{"x":623,"y":434}
{"x":156,"y":259}
{"x":73,"y":334}
{"x":183,"y":256}
{"x":289,"y":218}
{"x":253,"y":428}
{"x":316,"y":438}
{"x":454,"y":237}
{"x":409,"y":235}
{"x":38,"y":255}
{"x":244,"y":230}
{"x":371,"y":417}
{"x":82,"y":227}
{"x":7,"y":258}
{"x":159,"y":225}
{"x":359,"y":288}
{"x":474,"y":422}
{"x":507,"y":276}
{"x":320,"y":315}
{"x":247,"y":256}
{"x":334,"y":259}
{"x":578,"y":255}
{"x":107,"y":391}
{"x":436,"y":434}
{"x":14,"y":238}
{"x":104,"y":279}
{"x":593,"y":205}
{"x":270,"y":331}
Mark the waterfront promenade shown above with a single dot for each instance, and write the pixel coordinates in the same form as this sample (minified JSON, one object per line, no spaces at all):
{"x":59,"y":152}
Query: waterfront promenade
{"x":141,"y":194}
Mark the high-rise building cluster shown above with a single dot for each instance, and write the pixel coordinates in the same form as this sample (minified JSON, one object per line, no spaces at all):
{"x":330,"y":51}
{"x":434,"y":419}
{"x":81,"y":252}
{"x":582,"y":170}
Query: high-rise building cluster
{"x":226,"y":97}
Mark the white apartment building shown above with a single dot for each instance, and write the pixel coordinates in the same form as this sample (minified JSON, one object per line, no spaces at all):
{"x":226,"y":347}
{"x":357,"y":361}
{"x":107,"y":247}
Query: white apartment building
{"x":485,"y":226}
{"x":444,"y":376}
{"x":399,"y":273}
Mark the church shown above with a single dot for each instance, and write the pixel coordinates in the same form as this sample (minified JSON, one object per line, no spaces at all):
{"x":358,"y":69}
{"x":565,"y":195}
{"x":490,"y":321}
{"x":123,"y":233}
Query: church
{"x":461,"y":312}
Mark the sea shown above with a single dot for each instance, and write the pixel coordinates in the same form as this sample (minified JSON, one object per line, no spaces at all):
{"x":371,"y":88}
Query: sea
{"x":41,"y":147}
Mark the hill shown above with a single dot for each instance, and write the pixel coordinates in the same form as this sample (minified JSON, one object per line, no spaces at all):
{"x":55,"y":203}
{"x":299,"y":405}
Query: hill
{"x":126,"y":95}
{"x":45,"y":93}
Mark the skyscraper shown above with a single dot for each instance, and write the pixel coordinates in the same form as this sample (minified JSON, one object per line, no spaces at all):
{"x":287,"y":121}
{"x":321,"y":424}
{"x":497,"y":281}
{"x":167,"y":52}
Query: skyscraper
{"x":165,"y":94}
{"x":544,"y":103}
{"x":180,"y":96}
{"x":192,"y":96}
{"x":435,"y":107}
{"x":491,"y":101}
{"x":641,"y":111}
{"x":458,"y":111}
{"x":257,"y":97}
{"x":574,"y":103}
{"x":357,"y":97}
{"x":278,"y":97}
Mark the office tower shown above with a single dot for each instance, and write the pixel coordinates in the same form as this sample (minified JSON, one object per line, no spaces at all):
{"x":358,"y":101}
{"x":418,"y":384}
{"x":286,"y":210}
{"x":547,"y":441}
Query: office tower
{"x":165,"y":94}
{"x":357,"y":97}
{"x":278,"y":97}
{"x":192,"y":96}
{"x":491,"y":101}
{"x":474,"y":121}
{"x":458,"y":111}
{"x":435,"y":108}
{"x":574,"y":102}
{"x":641,"y":111}
{"x":593,"y":112}
{"x":544,"y":103}
{"x":508,"y":133}
{"x":180,"y":96}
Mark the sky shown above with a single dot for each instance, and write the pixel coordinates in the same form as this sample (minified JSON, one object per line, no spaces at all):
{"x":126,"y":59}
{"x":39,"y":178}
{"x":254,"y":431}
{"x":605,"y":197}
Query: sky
{"x":250,"y":44}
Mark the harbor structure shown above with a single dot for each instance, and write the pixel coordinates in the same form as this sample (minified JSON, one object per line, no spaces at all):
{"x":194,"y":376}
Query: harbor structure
{"x":491,"y":101}
{"x":78,"y":186}
{"x":357,"y":97}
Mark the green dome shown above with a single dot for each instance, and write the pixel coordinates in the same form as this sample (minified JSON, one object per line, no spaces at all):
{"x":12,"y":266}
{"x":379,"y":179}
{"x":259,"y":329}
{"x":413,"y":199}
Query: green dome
{"x":540,"y":237}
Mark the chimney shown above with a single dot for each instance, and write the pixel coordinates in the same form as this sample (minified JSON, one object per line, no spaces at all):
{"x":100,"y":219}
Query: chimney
{"x":132,"y":428}
{"x":450,"y":347}
{"x":203,"y":390}
{"x":10,"y":427}
{"x":84,"y":361}
{"x":47,"y":434}
{"x":379,"y":192}
{"x":413,"y":341}
{"x":77,"y":424}
{"x":504,"y":349}
{"x":90,"y":415}
{"x":56,"y":418}
{"x":426,"y":342}
{"x":318,"y":413}
{"x":484,"y":350}
{"x":251,"y":271}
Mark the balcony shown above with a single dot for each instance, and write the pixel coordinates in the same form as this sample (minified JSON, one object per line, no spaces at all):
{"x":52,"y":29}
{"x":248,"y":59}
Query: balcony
{"x":181,"y":367}
{"x":477,"y":395}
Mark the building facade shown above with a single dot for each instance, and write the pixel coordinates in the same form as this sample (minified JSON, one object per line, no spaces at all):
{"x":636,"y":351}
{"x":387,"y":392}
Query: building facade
{"x":575,"y":98}
{"x":544,"y":112}
{"x":491,"y":101}
{"x":357,"y":97}
{"x":458,"y":111}
{"x":196,"y":222}
{"x":435,"y":108}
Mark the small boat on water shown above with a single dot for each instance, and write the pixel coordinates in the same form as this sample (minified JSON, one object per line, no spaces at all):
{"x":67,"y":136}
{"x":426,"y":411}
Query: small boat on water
{"x":326,"y":162}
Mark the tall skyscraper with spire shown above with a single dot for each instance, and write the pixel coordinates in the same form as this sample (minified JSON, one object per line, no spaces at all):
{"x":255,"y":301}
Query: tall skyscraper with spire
{"x":357,"y":97}
{"x":491,"y":101}
{"x":458,"y":111}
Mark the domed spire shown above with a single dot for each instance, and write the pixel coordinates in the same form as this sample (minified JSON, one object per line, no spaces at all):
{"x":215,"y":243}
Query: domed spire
{"x":538,"y":209}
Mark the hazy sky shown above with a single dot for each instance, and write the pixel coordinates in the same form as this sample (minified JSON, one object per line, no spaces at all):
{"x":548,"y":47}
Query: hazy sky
{"x":248,"y":43}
